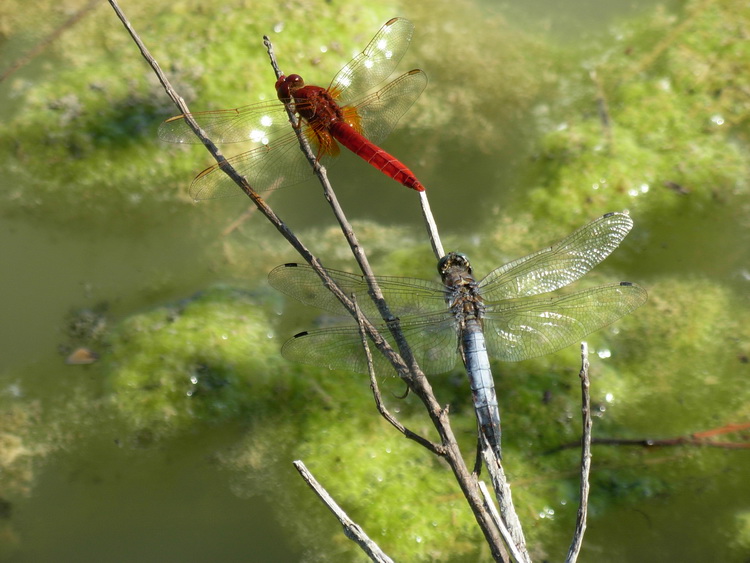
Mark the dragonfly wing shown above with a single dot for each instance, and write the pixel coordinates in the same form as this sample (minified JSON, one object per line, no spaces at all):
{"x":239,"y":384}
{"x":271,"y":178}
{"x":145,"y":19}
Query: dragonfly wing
{"x":266,"y":167}
{"x":560,"y":264}
{"x":405,"y":296}
{"x":432,"y":342}
{"x":379,"y":112}
{"x":376,"y":63}
{"x":256,"y":123}
{"x":529,"y":328}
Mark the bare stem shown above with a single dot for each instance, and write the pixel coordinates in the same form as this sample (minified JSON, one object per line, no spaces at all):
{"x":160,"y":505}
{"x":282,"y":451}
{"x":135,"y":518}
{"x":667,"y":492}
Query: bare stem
{"x":405,"y":366}
{"x":382,"y":409}
{"x":432,"y":230}
{"x":352,"y":530}
{"x":575,"y":547}
{"x":515,"y":552}
{"x":508,"y":516}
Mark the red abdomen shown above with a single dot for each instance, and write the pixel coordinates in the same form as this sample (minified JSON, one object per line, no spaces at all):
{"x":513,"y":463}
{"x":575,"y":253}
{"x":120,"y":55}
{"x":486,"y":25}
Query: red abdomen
{"x":386,"y":163}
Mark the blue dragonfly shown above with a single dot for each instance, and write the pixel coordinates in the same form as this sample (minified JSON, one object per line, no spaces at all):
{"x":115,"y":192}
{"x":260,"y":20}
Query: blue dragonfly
{"x":499,"y":316}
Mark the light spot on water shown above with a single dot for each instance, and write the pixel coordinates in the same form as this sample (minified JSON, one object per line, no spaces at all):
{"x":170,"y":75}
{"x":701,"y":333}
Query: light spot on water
{"x":642,"y":189}
{"x":547,"y":512}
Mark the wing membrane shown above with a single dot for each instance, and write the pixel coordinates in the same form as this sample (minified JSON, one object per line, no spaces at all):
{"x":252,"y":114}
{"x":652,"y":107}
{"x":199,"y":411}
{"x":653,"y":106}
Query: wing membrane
{"x":380,"y":112}
{"x":560,"y":264}
{"x":405,"y":296}
{"x":518,"y":330}
{"x":254,"y":123}
{"x":376,"y":63}
{"x":432,"y":341}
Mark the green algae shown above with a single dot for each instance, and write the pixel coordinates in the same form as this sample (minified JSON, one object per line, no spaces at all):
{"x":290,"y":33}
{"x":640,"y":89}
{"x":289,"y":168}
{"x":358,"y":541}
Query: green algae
{"x":328,"y":418}
{"x":676,"y":365}
{"x":203,"y":361}
{"x":671,"y":120}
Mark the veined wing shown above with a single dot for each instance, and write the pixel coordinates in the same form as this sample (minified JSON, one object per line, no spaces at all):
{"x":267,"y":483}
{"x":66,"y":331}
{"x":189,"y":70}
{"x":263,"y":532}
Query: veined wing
{"x":522,"y":329}
{"x":405,"y":296}
{"x":267,"y":167}
{"x":376,"y":63}
{"x":379,"y":112}
{"x":432,"y":340}
{"x":560,"y":264}
{"x":256,"y":123}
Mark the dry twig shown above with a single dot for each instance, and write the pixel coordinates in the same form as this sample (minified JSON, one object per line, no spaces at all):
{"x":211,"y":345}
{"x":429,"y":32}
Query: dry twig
{"x":352,"y":530}
{"x":575,"y":546}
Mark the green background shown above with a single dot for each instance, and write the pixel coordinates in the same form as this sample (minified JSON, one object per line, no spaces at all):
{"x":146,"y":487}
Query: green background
{"x":177,"y":444}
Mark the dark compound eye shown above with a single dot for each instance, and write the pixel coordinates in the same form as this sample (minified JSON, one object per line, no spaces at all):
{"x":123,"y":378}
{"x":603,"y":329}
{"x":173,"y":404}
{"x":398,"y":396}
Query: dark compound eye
{"x":287,"y":85}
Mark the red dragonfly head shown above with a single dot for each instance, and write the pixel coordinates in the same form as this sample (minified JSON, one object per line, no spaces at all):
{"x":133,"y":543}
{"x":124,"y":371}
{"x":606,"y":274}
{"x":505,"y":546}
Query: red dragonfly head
{"x":286,"y":86}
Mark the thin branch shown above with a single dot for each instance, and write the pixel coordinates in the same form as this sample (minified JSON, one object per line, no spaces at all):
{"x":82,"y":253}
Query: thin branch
{"x":250,"y":192}
{"x":508,"y":514}
{"x":504,"y":532}
{"x":352,"y":530}
{"x":726,"y":429}
{"x":699,"y":439}
{"x":404,"y":361}
{"x":406,"y":366}
{"x":432,"y":230}
{"x":385,"y":413}
{"x":575,"y":546}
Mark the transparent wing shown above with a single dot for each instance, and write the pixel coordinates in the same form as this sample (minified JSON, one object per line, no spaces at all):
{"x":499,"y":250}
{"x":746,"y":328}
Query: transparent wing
{"x":405,"y":296}
{"x":256,"y":123}
{"x":518,"y":330}
{"x":560,"y":264}
{"x":379,"y":112}
{"x":376,"y":63}
{"x":433,"y":342}
{"x":267,"y":167}
{"x":275,"y":159}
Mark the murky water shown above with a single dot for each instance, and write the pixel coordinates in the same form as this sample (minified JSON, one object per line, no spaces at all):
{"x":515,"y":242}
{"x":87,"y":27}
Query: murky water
{"x":83,"y":482}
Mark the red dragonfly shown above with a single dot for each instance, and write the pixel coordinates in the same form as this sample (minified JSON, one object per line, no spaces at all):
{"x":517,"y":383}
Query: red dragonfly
{"x":342,"y":112}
